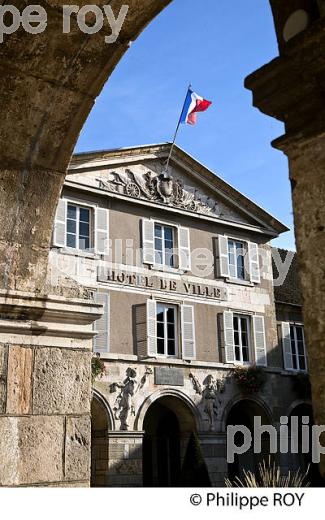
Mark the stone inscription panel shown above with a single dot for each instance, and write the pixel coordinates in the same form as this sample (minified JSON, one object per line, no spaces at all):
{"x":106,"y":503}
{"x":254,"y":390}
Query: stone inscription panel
{"x":169,"y":376}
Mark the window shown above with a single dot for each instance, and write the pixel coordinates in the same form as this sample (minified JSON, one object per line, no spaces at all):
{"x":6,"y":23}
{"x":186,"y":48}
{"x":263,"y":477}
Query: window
{"x":241,"y":338}
{"x":238,"y":260}
{"x":298,"y":347}
{"x":166,"y":320}
{"x":78,"y":235}
{"x":236,"y":256}
{"x":164,"y":245}
{"x":83,"y":228}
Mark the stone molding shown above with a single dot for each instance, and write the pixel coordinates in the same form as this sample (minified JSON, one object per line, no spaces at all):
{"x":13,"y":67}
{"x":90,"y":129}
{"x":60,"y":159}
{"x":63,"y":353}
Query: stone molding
{"x":45,"y":318}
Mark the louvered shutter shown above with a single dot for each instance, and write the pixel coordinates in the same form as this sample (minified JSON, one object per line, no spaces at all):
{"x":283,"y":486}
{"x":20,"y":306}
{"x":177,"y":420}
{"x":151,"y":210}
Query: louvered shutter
{"x":151,"y":328}
{"x":101,"y":231}
{"x":148,"y":241}
{"x":60,"y":224}
{"x":228,"y":337}
{"x":141,"y":330}
{"x":188,"y":332}
{"x":146,"y":329}
{"x":259,"y":341}
{"x":184,"y":248}
{"x":254,"y":263}
{"x":223,"y":259}
{"x":286,"y":345}
{"x":101,"y":326}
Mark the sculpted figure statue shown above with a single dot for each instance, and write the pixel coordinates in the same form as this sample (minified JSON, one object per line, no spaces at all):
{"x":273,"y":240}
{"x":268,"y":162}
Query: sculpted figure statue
{"x":124,"y":405}
{"x":124,"y":401}
{"x":211,"y":397}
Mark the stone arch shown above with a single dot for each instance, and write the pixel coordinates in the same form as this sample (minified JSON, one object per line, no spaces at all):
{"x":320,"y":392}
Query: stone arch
{"x":237,"y":399}
{"x":102,"y":421}
{"x":295,"y":404}
{"x":105,"y":407}
{"x":169,"y":421}
{"x":300,"y":460}
{"x":49,"y":84}
{"x":187,"y":403}
{"x":241,"y":411}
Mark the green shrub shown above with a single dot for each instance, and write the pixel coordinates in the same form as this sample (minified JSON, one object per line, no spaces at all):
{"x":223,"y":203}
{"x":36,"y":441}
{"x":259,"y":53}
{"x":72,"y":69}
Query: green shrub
{"x":249,"y":379}
{"x":97,"y":368}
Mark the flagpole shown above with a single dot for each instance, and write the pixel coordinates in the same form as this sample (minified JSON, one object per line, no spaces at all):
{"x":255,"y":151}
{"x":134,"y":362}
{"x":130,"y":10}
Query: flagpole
{"x":176,"y":132}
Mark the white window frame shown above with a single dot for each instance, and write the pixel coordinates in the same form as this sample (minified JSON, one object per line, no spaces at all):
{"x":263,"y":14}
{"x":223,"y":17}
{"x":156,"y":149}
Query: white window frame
{"x":92,"y":209}
{"x":77,"y":234}
{"x":174,"y":230}
{"x":246,"y":270}
{"x":248,"y":319}
{"x":167,"y":305}
{"x":163,"y":267}
{"x":295,"y":325}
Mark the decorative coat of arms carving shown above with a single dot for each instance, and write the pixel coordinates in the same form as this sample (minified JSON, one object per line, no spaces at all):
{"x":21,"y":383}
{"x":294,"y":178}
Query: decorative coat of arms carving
{"x":159,"y":188}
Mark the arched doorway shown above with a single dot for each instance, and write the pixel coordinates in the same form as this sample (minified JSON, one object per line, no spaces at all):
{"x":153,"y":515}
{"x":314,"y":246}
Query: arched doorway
{"x":302,"y":416}
{"x":100,"y":424}
{"x":170,"y":431}
{"x":242,"y":413}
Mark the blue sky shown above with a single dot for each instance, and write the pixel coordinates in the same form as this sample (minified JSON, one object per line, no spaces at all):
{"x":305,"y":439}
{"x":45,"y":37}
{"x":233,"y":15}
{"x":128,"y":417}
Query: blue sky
{"x":214,"y":45}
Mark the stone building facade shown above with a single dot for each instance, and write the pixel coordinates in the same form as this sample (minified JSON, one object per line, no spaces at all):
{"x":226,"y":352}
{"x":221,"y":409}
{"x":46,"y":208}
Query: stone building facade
{"x":182,"y":264}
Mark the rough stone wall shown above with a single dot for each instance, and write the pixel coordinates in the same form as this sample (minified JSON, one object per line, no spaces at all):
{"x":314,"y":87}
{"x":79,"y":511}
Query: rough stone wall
{"x":45,"y":390}
{"x":291,"y":88}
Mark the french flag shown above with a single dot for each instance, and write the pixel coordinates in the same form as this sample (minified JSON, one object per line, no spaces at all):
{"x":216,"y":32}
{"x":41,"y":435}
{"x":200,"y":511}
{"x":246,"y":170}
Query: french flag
{"x":193,"y":104}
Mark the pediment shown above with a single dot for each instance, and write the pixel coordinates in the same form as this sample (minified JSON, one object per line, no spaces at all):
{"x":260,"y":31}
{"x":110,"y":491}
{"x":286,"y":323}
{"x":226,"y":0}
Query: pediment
{"x":140,"y":174}
{"x":149,"y":183}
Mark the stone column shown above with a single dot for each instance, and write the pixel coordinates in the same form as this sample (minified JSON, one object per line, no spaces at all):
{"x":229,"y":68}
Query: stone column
{"x":214,"y":448}
{"x":45,"y":389}
{"x":125,"y":459}
{"x":291,"y":88}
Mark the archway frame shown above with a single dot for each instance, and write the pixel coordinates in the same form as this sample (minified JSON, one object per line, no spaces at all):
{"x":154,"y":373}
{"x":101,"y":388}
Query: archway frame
{"x":109,"y":414}
{"x":237,"y":399}
{"x":296,"y":403}
{"x":139,"y":421}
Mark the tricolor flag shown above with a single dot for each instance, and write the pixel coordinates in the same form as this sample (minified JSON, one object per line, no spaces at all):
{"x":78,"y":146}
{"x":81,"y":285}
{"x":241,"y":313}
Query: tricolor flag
{"x":193,"y":104}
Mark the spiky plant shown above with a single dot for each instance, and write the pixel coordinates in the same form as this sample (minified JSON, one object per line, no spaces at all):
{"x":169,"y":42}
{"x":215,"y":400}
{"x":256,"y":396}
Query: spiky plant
{"x":269,"y":475}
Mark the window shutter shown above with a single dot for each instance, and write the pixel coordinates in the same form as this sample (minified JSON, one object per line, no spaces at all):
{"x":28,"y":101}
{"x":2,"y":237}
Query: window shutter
{"x":146,"y":329}
{"x":184,"y":248}
{"x":60,"y":224}
{"x":101,"y":231}
{"x":141,"y":329}
{"x":223,"y":259}
{"x":188,"y":332}
{"x":148,"y":242}
{"x":151,"y":328}
{"x":228,"y":337}
{"x":286,"y":345}
{"x":254,"y":263}
{"x":101,"y":326}
{"x":259,"y":341}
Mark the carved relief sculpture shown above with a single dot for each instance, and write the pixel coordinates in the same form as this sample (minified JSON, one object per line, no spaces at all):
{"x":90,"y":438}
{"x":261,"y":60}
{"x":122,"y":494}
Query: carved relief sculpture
{"x":159,"y":188}
{"x":196,"y":384}
{"x":124,"y":404}
{"x":148,"y":372}
{"x":210,"y":395}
